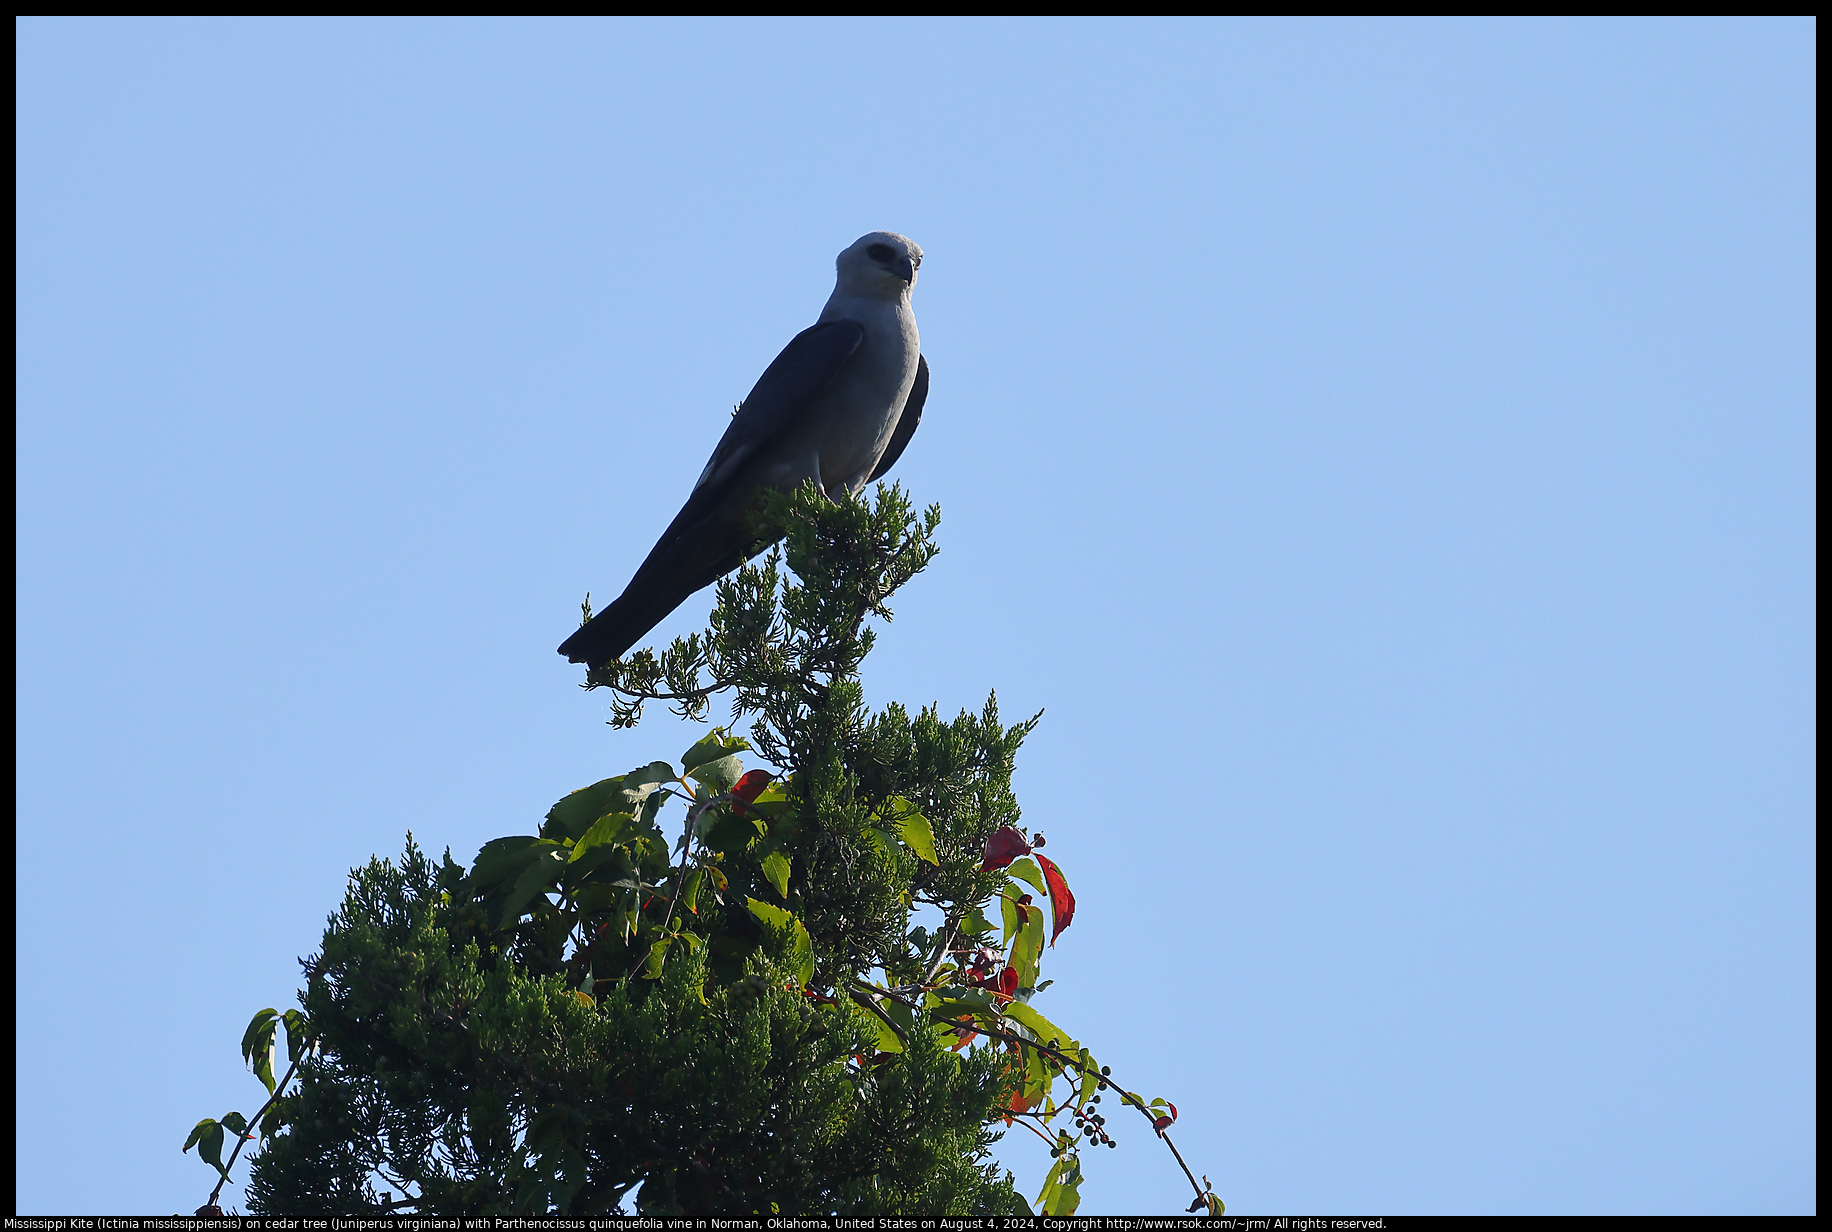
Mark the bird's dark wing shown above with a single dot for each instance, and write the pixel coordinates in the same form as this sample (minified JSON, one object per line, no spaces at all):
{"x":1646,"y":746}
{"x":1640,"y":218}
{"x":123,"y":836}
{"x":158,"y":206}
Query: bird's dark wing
{"x":710,"y":536}
{"x":906,"y":423}
{"x":805,"y":367}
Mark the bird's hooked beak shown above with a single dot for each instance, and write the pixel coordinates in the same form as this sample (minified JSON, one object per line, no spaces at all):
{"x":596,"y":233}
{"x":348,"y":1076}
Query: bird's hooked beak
{"x":906,"y":269}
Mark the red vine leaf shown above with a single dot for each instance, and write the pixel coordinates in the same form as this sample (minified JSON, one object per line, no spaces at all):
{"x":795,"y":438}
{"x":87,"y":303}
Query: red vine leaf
{"x":963,"y":1034}
{"x":747,"y":789}
{"x":1062,"y":903}
{"x":1003,"y":846}
{"x":1021,"y":1103}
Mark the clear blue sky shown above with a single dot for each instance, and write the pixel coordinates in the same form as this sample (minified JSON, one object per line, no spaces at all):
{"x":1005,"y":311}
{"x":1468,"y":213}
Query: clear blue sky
{"x":1383,"y":448}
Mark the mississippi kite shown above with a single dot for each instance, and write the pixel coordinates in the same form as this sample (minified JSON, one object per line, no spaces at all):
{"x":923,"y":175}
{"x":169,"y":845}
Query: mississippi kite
{"x":837,"y":406}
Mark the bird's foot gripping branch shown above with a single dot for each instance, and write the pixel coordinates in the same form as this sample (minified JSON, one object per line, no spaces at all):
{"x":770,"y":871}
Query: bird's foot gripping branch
{"x":701,"y":987}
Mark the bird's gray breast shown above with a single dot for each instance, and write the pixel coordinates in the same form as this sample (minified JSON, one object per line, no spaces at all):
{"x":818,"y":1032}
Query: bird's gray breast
{"x":850,"y":423}
{"x":858,"y":414}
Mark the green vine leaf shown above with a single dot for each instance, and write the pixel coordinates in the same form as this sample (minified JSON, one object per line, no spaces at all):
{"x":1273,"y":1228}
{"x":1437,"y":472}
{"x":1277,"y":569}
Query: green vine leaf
{"x":207,"y":1137}
{"x":801,"y":946}
{"x":1062,"y":1187}
{"x":1041,"y":1028}
{"x":545,"y":866}
{"x":1026,"y":869}
{"x":776,"y":871}
{"x":914,"y":829}
{"x":258,"y":1046}
{"x":602,"y":831}
{"x":574,"y":815}
{"x":714,"y":746}
{"x":1027,"y":945}
{"x":718,"y":775}
{"x":658,"y":953}
{"x":298,"y":1035}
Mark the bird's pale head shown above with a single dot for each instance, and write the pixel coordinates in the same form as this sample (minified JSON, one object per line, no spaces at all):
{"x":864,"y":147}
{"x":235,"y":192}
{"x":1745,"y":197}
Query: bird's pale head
{"x":881,"y":265}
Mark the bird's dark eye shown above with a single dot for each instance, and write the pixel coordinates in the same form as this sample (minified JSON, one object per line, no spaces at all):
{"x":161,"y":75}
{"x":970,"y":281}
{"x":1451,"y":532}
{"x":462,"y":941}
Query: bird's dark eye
{"x":880,"y":252}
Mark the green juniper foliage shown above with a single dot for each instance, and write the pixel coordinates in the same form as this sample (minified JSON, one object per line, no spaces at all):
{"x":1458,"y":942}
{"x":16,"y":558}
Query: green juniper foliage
{"x":595,"y":1018}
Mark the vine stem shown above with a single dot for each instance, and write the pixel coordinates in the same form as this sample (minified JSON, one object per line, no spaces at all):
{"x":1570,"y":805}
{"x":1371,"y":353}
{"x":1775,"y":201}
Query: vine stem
{"x":1067,"y":1062}
{"x":694,"y":814}
{"x":242,"y":1140}
{"x":941,"y":955}
{"x":1048,"y":1141}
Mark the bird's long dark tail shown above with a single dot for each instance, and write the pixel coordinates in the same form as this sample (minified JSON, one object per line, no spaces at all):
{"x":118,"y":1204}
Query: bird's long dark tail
{"x":689,"y":557}
{"x":614,"y":630}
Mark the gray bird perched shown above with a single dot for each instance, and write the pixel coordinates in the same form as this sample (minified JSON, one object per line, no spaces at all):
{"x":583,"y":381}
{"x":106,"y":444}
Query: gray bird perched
{"x":837,"y":406}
